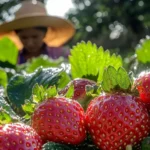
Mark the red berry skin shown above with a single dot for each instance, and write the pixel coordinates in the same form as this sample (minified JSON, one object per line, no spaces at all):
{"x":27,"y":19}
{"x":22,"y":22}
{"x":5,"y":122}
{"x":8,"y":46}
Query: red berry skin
{"x":61,"y":120}
{"x":142,"y":84}
{"x":79,"y":88}
{"x":116,"y":120}
{"x":148,"y":107}
{"x":18,"y":136}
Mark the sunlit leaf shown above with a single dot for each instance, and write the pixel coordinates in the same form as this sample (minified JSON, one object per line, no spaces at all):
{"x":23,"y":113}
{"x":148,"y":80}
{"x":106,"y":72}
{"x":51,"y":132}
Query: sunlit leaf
{"x":3,"y":78}
{"x":8,"y":51}
{"x":143,"y":51}
{"x":88,"y":60}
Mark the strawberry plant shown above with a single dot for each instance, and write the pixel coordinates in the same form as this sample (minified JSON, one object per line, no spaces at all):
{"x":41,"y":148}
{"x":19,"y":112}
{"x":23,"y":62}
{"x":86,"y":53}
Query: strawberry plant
{"x":55,"y":108}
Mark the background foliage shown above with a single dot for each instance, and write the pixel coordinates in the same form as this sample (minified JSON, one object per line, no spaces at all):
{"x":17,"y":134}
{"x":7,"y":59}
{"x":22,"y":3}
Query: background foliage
{"x":114,"y":24}
{"x":8,"y":7}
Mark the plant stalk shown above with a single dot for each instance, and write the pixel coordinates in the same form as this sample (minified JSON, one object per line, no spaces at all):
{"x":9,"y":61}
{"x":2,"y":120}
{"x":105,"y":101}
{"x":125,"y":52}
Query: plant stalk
{"x":129,"y":147}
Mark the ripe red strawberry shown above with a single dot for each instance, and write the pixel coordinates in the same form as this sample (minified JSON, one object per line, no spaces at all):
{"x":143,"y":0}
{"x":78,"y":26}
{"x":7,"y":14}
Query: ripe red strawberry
{"x":18,"y":136}
{"x":79,"y":91}
{"x":61,"y":120}
{"x":148,"y":107}
{"x":142,"y":84}
{"x":116,"y":120}
{"x":79,"y":88}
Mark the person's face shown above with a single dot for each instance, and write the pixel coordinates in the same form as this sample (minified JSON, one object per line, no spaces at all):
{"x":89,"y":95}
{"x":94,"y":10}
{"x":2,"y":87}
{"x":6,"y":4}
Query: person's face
{"x":32,"y":39}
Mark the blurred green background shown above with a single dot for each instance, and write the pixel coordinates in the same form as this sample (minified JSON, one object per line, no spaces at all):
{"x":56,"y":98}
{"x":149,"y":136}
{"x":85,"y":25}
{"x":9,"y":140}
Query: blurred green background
{"x":117,"y":25}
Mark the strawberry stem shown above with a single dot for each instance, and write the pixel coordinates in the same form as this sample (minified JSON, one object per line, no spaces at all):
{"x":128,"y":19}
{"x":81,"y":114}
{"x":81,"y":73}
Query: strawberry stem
{"x":129,"y":147}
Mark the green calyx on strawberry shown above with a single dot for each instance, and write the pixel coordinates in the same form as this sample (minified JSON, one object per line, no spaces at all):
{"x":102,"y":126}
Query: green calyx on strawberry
{"x":114,"y":117}
{"x":116,"y":80}
{"x":79,"y":93}
{"x":56,"y":118}
{"x":18,"y":136}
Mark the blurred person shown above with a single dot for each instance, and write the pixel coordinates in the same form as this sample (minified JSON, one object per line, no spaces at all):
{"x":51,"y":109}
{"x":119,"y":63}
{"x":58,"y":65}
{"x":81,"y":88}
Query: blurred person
{"x":35,"y":32}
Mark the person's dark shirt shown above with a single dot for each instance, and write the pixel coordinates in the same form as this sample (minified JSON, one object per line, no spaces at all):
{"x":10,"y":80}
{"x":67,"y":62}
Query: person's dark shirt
{"x":52,"y":52}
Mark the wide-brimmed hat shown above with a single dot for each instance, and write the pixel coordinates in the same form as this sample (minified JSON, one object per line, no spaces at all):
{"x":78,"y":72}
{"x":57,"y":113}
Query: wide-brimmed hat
{"x":33,"y":14}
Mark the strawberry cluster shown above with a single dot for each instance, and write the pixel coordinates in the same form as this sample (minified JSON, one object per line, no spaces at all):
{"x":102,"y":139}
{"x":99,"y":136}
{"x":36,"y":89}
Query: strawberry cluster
{"x":114,"y":119}
{"x":101,"y":108}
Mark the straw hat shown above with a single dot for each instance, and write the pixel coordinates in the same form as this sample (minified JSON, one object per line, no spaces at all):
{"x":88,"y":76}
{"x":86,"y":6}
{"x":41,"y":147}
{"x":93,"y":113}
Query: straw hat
{"x":32,"y":14}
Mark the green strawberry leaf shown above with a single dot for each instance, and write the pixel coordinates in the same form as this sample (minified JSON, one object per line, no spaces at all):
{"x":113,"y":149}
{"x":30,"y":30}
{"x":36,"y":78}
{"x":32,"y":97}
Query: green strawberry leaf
{"x":114,"y":79}
{"x":89,"y":61}
{"x":20,"y":86}
{"x":64,"y":80}
{"x":4,"y":117}
{"x":8,"y":51}
{"x":7,"y":114}
{"x":2,"y":91}
{"x":143,"y":51}
{"x":3,"y":78}
{"x":91,"y":77}
{"x":57,"y":146}
{"x":7,"y":65}
{"x":70,"y":91}
{"x":42,"y":60}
